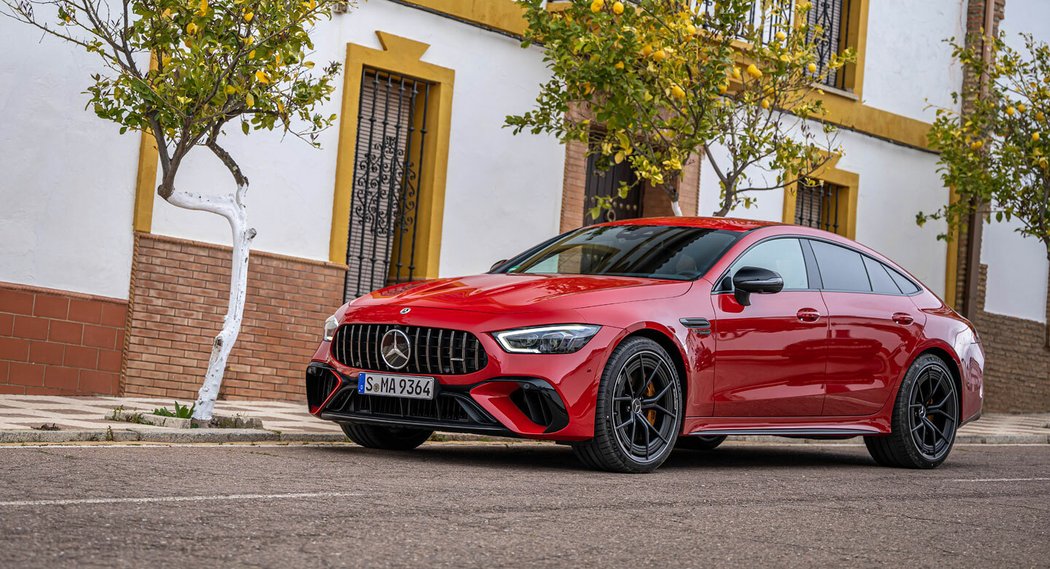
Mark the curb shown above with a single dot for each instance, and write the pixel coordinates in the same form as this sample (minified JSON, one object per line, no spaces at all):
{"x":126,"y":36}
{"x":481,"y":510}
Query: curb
{"x":204,"y":435}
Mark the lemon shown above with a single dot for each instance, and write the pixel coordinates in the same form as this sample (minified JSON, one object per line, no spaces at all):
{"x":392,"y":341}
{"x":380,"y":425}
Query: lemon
{"x":647,"y":50}
{"x":781,"y":36}
{"x":765,"y":103}
{"x":812,"y":67}
{"x":723,"y":88}
{"x":618,"y":8}
{"x":619,"y":65}
{"x":659,"y":55}
{"x":736,"y":72}
{"x":1010,"y":111}
{"x":691,"y":29}
{"x":248,"y":16}
{"x":977,"y":144}
{"x":1035,"y":137}
{"x":1039,"y":116}
{"x":678,"y":92}
{"x":1021,"y":108}
{"x":597,"y":6}
{"x":754,"y":71}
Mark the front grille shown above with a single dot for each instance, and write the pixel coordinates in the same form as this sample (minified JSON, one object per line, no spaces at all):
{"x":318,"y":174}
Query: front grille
{"x":434,"y":350}
{"x":445,"y":408}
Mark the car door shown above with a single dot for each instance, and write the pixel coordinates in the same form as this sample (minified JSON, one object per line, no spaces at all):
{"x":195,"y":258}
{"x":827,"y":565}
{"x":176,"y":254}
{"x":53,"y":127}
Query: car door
{"x":770,"y":356}
{"x":874,"y":327}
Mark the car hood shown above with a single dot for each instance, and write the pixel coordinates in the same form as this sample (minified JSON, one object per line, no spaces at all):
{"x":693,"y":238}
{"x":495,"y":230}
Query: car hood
{"x":500,"y":293}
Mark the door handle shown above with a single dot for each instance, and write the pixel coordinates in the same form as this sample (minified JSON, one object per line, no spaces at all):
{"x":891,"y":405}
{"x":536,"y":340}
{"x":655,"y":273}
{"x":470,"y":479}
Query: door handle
{"x":902,"y":318}
{"x":808,"y":315}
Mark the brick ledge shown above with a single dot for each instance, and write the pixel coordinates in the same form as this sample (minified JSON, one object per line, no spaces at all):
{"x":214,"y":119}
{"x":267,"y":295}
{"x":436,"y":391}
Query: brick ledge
{"x":254,"y":252}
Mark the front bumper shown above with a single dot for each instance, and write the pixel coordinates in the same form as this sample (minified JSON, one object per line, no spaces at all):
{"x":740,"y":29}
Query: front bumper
{"x":519,"y":395}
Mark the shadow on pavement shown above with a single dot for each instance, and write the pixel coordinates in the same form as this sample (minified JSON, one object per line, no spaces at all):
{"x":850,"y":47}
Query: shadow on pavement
{"x":558,"y":457}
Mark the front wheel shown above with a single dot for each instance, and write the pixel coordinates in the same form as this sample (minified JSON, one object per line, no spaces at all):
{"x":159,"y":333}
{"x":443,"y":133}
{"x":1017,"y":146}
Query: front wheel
{"x":925,"y":417}
{"x":639,"y":410}
{"x":386,"y":438}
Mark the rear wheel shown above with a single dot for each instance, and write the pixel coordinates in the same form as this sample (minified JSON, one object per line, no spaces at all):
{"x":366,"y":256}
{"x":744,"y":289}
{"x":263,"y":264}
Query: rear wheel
{"x":925,"y":417}
{"x":387,"y":438}
{"x":700,"y":442}
{"x":639,"y":410}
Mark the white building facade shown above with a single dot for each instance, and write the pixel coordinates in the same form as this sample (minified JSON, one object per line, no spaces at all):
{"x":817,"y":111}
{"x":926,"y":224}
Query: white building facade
{"x":106,"y":289}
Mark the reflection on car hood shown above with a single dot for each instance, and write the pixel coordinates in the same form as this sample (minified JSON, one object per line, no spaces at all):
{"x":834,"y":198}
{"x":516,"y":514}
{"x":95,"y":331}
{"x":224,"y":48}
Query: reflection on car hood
{"x":518,"y":292}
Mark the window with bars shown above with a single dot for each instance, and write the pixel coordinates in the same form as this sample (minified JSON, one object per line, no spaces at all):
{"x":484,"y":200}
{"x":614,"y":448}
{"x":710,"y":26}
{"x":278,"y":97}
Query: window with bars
{"x":391,"y":133}
{"x":831,"y":17}
{"x":607,"y":184}
{"x":822,"y":205}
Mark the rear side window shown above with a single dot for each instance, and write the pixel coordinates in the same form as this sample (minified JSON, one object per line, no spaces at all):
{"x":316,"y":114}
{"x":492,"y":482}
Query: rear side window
{"x":881,"y":281}
{"x":841,"y":269}
{"x":905,"y":284}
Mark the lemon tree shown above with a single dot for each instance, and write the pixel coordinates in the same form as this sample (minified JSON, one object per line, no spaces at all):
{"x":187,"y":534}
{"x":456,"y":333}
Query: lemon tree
{"x":656,"y":82}
{"x":183,"y":71}
{"x":994,"y":155}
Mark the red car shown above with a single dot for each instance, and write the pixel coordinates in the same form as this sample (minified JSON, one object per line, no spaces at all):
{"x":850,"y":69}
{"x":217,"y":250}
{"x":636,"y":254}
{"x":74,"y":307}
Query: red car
{"x":631,"y":338}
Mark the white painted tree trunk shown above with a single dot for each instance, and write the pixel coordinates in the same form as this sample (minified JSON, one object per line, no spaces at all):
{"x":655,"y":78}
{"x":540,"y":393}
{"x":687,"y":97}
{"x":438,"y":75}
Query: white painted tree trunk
{"x":231,"y":207}
{"x":676,"y":208}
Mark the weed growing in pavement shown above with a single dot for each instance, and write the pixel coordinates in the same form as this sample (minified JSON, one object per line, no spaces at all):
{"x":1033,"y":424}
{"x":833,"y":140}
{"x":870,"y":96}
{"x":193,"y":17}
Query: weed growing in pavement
{"x":181,"y":411}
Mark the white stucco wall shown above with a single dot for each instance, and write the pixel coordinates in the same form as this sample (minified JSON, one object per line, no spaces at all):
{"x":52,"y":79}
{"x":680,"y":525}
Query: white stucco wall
{"x":907,"y":65}
{"x":506,"y":188}
{"x":1017,"y":266}
{"x":67,"y":189}
{"x":895,"y":183}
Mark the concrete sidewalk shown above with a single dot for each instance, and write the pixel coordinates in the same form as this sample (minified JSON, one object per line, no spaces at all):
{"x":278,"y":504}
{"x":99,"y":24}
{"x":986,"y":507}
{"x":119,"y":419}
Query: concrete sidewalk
{"x":50,"y":419}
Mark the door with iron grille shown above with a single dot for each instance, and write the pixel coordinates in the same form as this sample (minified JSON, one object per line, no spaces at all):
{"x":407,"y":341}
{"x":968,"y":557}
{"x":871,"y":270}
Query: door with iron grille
{"x":607,"y":184}
{"x":384,"y":200}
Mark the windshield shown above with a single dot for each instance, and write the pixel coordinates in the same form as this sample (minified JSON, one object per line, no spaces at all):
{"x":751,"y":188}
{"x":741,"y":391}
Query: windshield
{"x":650,"y":251}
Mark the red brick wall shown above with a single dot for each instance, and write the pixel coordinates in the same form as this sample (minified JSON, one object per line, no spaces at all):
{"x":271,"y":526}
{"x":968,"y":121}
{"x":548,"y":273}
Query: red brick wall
{"x":59,"y":343}
{"x":179,"y":295}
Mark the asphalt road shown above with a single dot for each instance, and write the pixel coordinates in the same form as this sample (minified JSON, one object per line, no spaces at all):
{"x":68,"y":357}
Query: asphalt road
{"x":519,"y":505}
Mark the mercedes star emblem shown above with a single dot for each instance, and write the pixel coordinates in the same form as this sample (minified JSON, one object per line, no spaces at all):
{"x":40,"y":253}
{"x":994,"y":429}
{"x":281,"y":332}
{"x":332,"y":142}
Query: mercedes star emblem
{"x":395,"y":349}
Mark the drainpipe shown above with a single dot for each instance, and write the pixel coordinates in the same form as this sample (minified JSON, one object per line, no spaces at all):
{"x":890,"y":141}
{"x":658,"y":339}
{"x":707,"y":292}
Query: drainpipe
{"x":975,"y":223}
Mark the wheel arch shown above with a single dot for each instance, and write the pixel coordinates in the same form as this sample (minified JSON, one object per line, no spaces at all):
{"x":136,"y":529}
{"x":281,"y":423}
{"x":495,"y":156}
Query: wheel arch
{"x":950,"y":361}
{"x":670,"y":345}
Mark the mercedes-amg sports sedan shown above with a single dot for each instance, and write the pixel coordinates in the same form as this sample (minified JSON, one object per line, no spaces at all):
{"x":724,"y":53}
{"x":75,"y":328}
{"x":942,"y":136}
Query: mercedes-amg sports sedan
{"x":629,"y":339}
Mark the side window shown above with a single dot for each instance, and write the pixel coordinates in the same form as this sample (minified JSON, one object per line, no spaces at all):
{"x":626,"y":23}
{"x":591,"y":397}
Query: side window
{"x":841,"y":269}
{"x":781,"y":255}
{"x":905,"y":284}
{"x":881,"y":282}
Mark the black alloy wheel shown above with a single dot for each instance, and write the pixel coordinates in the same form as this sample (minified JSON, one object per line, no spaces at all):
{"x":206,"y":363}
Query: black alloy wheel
{"x":925,"y":418}
{"x":639,"y":410}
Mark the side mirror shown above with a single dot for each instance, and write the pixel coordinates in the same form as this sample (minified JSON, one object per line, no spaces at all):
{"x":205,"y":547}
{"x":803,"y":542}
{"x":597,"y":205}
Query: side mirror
{"x":496,"y":265}
{"x":756,"y":280}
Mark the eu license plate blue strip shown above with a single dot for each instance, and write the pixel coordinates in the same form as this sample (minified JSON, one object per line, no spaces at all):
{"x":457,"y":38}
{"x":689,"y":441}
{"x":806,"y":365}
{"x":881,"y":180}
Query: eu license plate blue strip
{"x":361,"y":382}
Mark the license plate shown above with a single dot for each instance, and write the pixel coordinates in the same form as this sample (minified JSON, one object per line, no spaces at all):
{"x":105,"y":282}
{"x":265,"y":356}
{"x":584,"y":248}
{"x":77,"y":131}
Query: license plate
{"x":395,"y":385}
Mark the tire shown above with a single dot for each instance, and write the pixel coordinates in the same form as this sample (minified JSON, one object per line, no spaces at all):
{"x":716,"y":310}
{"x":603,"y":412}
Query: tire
{"x":700,"y":442}
{"x":639,"y":410}
{"x":925,"y":418}
{"x":386,"y":438}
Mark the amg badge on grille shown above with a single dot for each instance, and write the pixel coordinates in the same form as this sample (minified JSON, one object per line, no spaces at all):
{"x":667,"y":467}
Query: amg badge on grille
{"x":395,"y":348}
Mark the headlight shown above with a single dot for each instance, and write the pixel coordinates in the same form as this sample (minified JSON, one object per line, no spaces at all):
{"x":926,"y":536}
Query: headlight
{"x":329,"y":328}
{"x":560,"y":339}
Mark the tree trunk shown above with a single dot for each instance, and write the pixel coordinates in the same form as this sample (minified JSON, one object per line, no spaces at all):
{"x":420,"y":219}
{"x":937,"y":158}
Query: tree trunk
{"x":232,"y":208}
{"x":676,"y":208}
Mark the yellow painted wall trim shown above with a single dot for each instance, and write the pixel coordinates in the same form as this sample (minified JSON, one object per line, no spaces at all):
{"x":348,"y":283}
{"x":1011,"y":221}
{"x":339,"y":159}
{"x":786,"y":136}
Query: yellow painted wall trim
{"x":830,"y":173}
{"x":500,"y":15}
{"x":951,"y":265}
{"x":145,"y":183}
{"x":398,"y":55}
